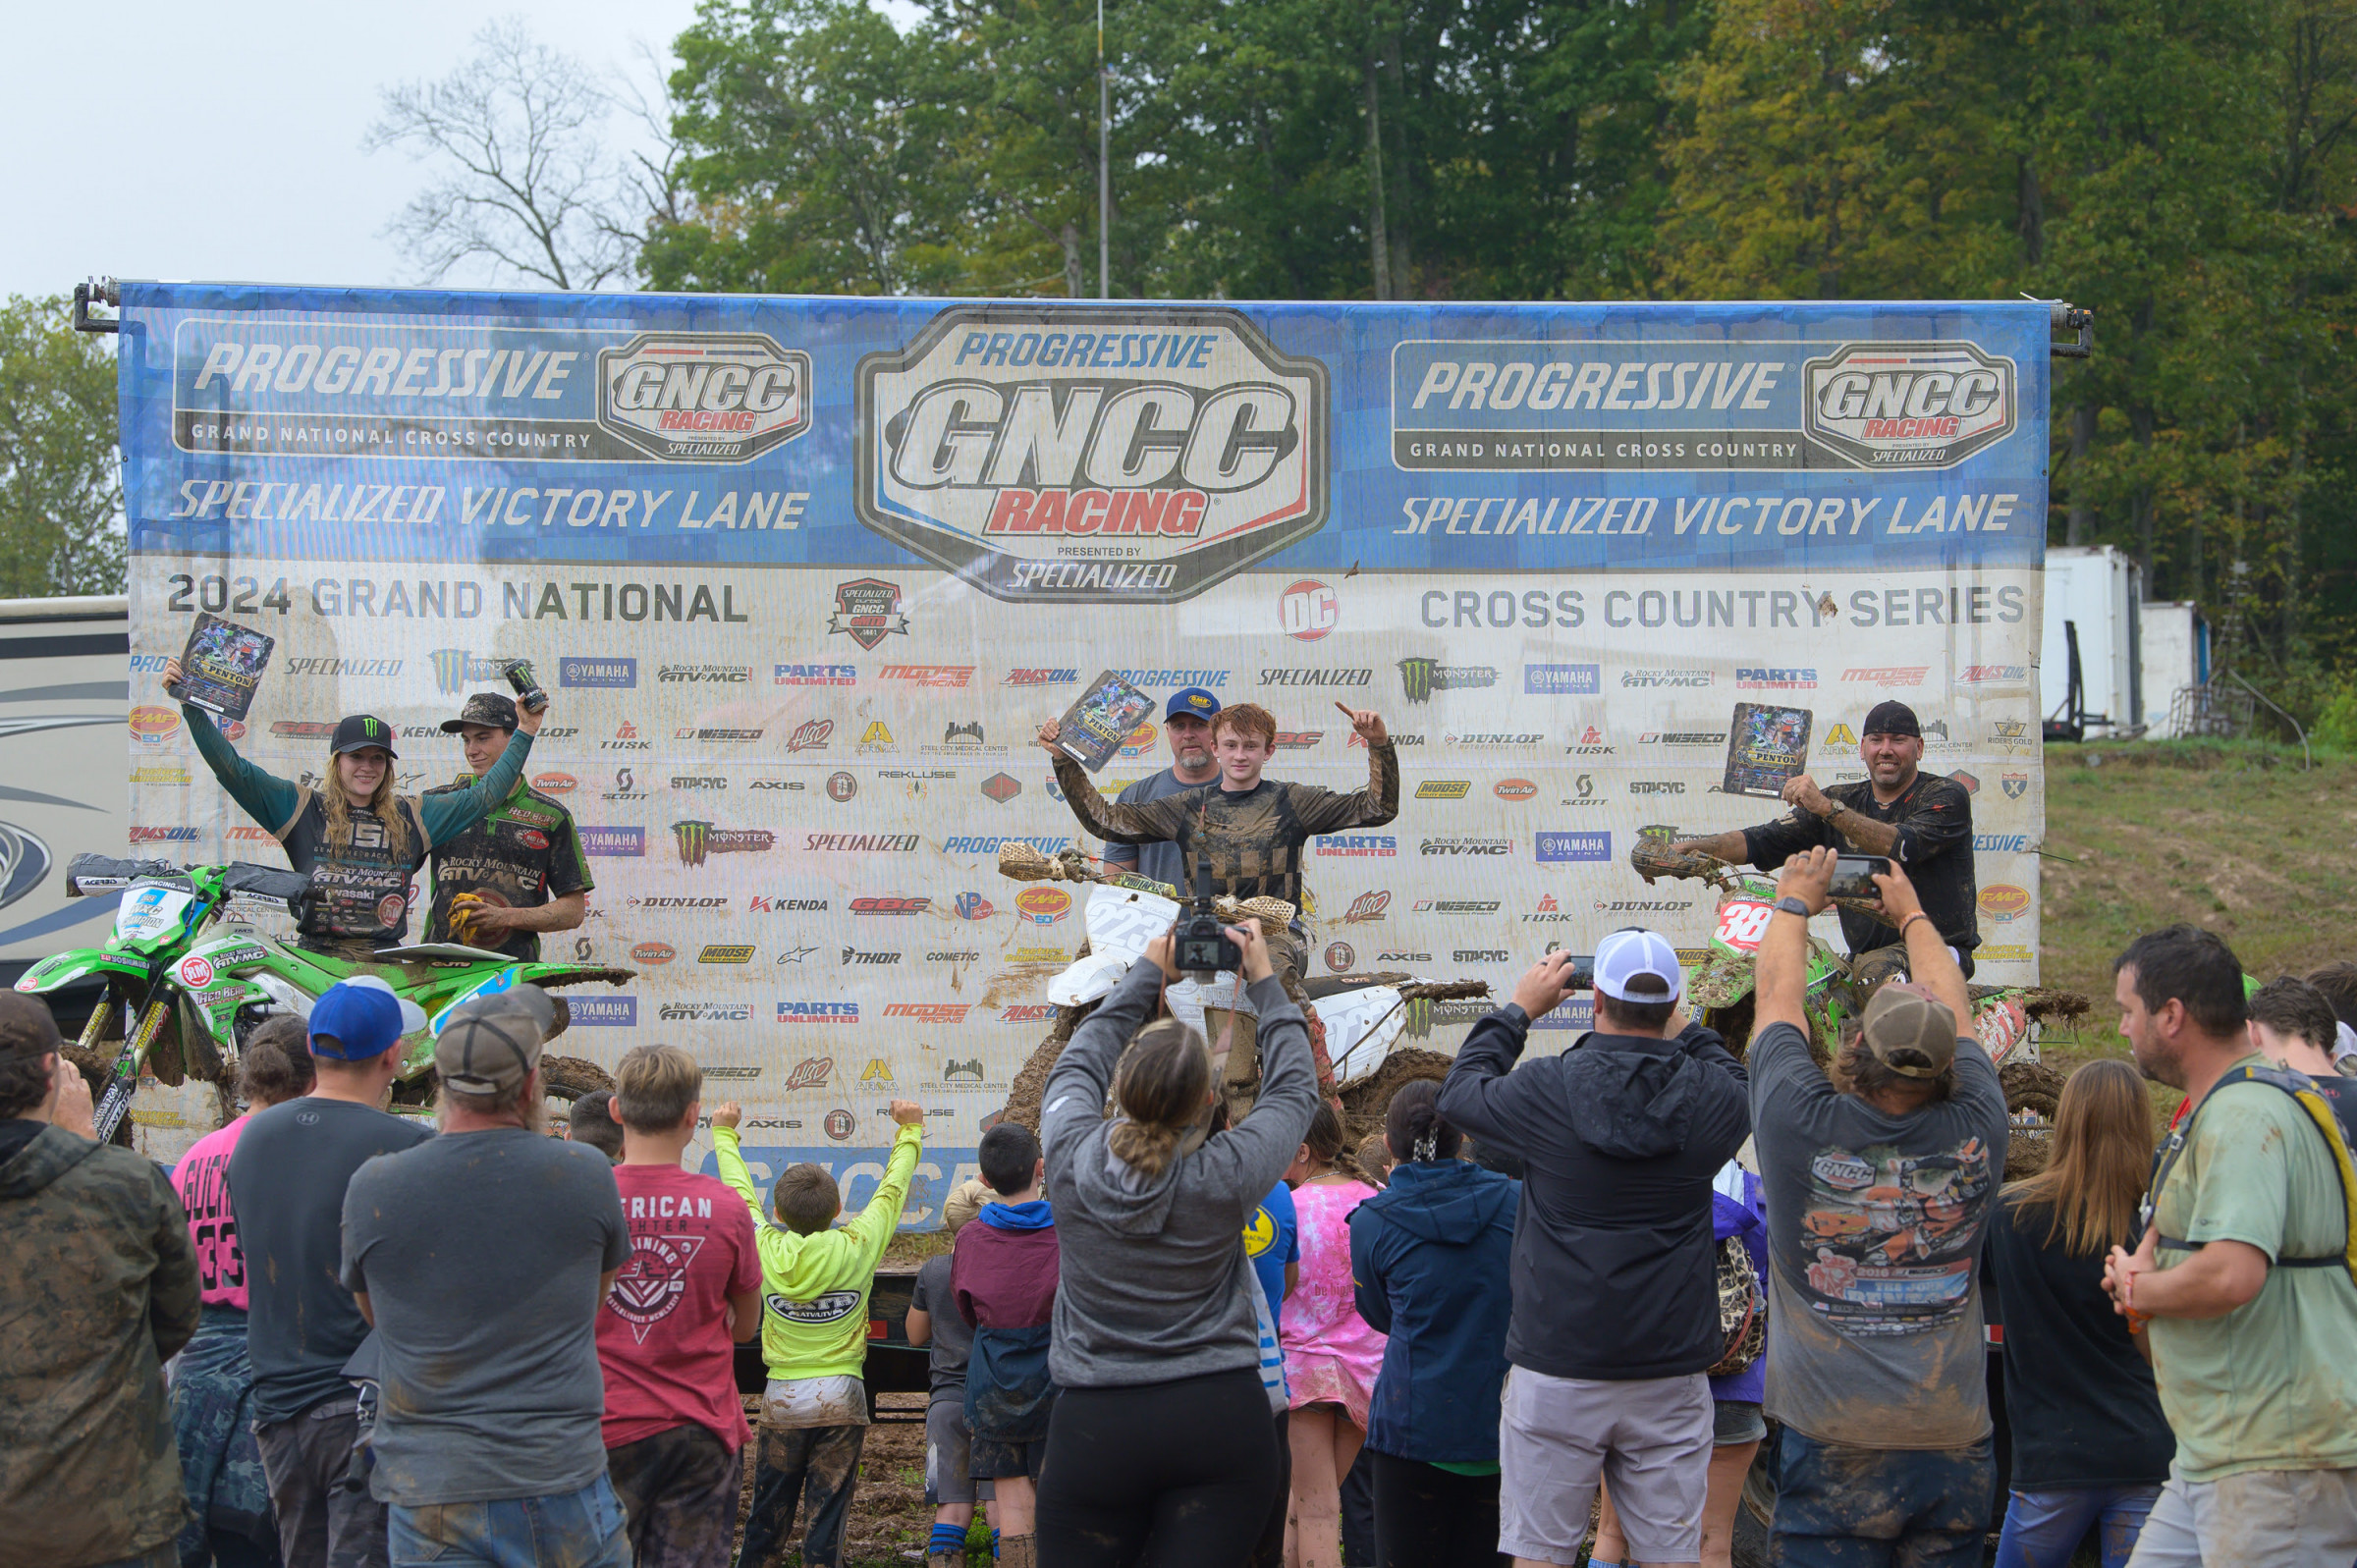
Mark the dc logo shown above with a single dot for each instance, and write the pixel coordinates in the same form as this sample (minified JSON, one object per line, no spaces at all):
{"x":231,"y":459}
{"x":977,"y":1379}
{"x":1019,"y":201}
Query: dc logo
{"x":1308,"y":610}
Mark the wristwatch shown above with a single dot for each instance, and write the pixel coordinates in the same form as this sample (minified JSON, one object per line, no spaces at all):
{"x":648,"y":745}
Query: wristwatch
{"x":1791,"y":905}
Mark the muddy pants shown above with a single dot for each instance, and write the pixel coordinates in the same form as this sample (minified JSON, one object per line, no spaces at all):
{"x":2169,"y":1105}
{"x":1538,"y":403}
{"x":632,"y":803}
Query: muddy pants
{"x":819,"y":1465}
{"x":1839,"y":1506}
{"x":1870,"y":969}
{"x":678,"y":1488}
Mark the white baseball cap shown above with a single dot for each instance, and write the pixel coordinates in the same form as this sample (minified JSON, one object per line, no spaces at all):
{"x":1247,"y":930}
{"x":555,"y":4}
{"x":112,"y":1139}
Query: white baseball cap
{"x":1626,"y":955}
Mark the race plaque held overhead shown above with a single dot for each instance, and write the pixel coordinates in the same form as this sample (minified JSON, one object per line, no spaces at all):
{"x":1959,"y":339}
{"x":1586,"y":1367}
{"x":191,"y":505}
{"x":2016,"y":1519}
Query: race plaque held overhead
{"x":1094,"y":728}
{"x":222,"y":666}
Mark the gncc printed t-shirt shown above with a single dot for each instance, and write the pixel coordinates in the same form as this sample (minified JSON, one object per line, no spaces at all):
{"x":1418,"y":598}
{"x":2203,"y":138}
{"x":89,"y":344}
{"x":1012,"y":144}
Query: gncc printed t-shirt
{"x":663,"y":1331}
{"x":1873,"y":1236}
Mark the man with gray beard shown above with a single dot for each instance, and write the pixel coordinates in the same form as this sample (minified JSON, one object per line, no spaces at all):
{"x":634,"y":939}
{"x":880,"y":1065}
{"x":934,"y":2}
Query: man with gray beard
{"x":1186,"y":722}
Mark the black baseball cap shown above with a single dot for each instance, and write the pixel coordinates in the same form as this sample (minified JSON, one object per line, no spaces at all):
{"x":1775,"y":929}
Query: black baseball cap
{"x":358,"y":731}
{"x":1890,"y":719}
{"x":483,"y":708}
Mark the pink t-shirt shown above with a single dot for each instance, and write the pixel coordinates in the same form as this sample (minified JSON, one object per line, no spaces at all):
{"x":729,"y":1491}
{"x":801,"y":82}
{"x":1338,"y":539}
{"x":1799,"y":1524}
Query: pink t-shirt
{"x":1331,"y":1354}
{"x":201,"y":1178}
{"x":663,"y":1331}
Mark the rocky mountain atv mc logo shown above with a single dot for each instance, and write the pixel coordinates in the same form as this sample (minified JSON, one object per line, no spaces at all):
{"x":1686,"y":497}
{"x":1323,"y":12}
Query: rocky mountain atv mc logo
{"x":1005,"y":431}
{"x":703,"y":396}
{"x":1908,"y":405}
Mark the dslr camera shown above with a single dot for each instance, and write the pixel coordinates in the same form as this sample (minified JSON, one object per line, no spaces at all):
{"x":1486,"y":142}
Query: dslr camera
{"x":1200,"y":945}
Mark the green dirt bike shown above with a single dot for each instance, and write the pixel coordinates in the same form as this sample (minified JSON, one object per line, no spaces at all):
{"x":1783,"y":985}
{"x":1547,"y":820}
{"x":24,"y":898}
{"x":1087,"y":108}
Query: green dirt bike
{"x":187,"y":980}
{"x":2007,"y":1020}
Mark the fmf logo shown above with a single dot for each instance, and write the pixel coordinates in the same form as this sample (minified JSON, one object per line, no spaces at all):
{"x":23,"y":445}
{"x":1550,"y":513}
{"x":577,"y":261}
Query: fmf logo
{"x":1003,"y":431}
{"x":1909,"y":404}
{"x":703,"y":396}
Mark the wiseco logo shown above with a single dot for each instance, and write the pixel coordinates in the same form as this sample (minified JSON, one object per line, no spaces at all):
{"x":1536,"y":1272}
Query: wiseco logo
{"x":929,"y":1012}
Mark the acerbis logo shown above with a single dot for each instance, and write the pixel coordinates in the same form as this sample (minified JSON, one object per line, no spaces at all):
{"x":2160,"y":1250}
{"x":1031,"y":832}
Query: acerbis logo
{"x":1908,"y":405}
{"x":703,"y":396}
{"x":1004,"y":430}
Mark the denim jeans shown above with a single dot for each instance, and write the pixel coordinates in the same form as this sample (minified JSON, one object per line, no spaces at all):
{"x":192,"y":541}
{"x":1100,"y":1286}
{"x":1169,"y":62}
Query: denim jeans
{"x":573,"y":1530}
{"x":2043,"y":1529}
{"x":1843,"y":1508}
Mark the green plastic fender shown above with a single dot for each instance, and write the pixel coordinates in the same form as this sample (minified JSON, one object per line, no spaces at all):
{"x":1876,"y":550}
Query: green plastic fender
{"x":77,"y":964}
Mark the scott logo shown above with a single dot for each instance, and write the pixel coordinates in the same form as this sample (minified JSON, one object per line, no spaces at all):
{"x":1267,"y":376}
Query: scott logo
{"x":1912,"y":404}
{"x":704,"y":396}
{"x":1004,"y":430}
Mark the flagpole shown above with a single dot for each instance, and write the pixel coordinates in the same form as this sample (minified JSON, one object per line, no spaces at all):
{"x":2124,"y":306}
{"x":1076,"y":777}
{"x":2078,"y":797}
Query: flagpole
{"x":1104,"y":166}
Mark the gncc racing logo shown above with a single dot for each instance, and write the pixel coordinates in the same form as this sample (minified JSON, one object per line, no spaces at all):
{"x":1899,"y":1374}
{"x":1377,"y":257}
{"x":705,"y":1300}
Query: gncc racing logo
{"x":703,"y":396}
{"x":1909,"y":404}
{"x":1078,"y":454}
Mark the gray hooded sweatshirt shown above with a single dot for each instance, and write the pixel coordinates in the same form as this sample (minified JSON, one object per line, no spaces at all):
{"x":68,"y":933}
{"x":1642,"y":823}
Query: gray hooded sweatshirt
{"x":1155,"y":1285}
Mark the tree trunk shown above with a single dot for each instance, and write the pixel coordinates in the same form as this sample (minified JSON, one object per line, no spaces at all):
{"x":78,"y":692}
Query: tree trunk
{"x":2145,"y":514}
{"x":2029,"y":221}
{"x":1378,"y":242}
{"x":1076,"y":282}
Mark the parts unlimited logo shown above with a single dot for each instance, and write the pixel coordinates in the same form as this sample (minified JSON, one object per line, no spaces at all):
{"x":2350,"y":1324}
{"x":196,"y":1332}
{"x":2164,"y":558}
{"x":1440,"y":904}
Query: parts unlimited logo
{"x":1179,"y":443}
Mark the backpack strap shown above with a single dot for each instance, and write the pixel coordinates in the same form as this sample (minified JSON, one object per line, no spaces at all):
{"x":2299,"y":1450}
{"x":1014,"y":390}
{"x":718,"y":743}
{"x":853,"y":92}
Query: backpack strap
{"x":2320,"y":1113}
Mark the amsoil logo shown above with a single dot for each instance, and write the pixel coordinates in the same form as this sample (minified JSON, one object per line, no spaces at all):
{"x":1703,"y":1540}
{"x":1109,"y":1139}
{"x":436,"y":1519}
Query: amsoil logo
{"x":1308,"y":610}
{"x":704,"y":396}
{"x":1028,"y":1012}
{"x":1062,"y":677}
{"x":1993,"y":675}
{"x":1367,"y":908}
{"x":1908,"y":405}
{"x":1005,"y":430}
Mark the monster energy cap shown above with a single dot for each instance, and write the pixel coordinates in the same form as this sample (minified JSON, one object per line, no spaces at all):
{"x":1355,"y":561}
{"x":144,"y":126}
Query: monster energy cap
{"x":26,"y":1028}
{"x":361,"y":731}
{"x":483,"y":708}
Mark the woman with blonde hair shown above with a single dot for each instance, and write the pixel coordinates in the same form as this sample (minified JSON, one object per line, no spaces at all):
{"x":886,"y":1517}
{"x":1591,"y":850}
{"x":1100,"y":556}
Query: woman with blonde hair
{"x":359,"y":842}
{"x":1161,"y":1450}
{"x":2090,"y":1444}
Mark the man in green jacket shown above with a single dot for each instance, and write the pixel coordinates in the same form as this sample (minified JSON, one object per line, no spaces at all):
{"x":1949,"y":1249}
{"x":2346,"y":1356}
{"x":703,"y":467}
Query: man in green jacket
{"x":99,"y":1292}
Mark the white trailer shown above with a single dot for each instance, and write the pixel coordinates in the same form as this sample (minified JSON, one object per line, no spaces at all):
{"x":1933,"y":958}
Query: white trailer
{"x":2176,"y":657}
{"x":2094,"y":598}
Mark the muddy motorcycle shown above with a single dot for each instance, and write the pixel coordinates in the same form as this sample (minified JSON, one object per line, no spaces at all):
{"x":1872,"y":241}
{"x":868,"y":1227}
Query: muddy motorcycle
{"x":187,"y":979}
{"x":2007,"y":1020}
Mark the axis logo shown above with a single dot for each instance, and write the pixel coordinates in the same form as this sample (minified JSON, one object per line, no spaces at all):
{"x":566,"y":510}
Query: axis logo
{"x":1003,"y":431}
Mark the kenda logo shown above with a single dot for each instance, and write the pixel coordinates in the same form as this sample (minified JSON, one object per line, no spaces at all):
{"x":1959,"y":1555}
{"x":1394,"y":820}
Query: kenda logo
{"x":1005,"y":430}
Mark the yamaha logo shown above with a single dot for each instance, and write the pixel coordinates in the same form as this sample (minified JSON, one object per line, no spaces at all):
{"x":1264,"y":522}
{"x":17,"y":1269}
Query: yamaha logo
{"x":703,"y":396}
{"x":1909,"y":404}
{"x":1004,"y":431}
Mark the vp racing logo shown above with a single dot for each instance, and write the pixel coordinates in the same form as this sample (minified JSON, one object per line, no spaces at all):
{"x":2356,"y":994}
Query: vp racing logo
{"x":1909,"y":404}
{"x":1068,"y":452}
{"x":704,"y":396}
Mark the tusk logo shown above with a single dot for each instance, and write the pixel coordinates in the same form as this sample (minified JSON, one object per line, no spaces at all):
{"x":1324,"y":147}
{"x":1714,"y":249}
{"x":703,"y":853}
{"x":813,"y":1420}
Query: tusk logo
{"x":1004,"y":431}
{"x":705,"y":396}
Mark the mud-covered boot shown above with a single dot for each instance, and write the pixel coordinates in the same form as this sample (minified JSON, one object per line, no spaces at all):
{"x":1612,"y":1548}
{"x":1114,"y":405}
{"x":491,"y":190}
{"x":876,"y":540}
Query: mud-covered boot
{"x":946,"y":1559}
{"x":1019,"y":1551}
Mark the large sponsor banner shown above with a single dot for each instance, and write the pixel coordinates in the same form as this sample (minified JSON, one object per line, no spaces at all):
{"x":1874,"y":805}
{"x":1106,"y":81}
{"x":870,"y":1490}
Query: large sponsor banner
{"x":804,"y":575}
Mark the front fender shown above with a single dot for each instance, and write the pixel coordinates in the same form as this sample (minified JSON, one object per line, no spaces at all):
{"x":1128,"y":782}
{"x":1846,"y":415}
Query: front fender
{"x":77,"y":965}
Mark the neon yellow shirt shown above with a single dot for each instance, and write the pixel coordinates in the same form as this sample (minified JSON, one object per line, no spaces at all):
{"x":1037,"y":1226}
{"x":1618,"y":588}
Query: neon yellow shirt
{"x":814,"y":1289}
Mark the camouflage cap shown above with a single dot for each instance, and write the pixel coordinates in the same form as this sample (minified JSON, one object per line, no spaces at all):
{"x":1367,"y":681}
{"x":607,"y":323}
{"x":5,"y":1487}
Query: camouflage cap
{"x":483,"y":708}
{"x":26,"y":1027}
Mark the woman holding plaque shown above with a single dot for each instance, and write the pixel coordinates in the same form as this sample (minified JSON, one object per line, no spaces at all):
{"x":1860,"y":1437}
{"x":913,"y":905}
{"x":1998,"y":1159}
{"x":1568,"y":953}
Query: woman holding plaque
{"x":359,"y":842}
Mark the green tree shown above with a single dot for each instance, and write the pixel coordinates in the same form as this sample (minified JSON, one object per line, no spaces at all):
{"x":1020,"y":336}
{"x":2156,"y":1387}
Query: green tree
{"x":61,"y":485}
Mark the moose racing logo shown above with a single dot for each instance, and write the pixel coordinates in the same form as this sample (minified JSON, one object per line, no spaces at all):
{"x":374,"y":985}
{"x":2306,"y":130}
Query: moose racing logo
{"x":1078,"y":454}
{"x":1909,"y":404}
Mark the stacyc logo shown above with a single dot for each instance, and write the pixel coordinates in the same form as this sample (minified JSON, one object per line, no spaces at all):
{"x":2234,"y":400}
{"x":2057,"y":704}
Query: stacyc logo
{"x":1559,"y":848}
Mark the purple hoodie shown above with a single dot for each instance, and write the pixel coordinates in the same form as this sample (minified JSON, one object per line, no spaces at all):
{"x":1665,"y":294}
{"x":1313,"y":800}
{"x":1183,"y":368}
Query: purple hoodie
{"x":1747,"y":1218}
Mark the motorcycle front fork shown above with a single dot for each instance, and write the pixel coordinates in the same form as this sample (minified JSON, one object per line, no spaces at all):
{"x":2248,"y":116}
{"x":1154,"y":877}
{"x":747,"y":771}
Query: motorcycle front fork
{"x":124,"y":1081}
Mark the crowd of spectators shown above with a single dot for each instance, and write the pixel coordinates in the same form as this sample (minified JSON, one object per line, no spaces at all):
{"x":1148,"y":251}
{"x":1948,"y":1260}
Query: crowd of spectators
{"x":1524,"y":1322}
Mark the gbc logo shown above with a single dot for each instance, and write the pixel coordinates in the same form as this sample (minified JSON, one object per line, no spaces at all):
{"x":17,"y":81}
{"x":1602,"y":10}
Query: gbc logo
{"x":705,"y":396}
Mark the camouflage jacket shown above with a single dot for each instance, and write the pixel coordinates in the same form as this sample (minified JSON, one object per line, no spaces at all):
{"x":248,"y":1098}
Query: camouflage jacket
{"x":100,"y":1291}
{"x":1253,"y":842}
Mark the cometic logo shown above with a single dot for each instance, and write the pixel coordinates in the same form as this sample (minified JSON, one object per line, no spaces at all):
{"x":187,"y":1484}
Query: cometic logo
{"x":1559,"y":847}
{"x":1562,"y":681}
{"x":597,"y":671}
{"x":1006,"y":430}
{"x":625,"y":842}
{"x":1908,"y":405}
{"x":704,"y":396}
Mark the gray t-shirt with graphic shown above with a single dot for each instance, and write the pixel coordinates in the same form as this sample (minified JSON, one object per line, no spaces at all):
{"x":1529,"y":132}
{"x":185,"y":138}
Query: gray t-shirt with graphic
{"x":480,"y":1254}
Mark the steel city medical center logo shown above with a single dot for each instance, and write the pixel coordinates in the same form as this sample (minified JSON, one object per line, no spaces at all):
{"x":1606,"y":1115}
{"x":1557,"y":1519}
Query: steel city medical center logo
{"x":1090,"y":454}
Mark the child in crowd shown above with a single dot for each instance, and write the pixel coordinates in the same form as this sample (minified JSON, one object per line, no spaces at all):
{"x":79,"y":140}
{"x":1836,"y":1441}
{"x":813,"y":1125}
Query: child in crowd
{"x":1331,"y":1355}
{"x":1374,"y":1161}
{"x":950,"y":1485}
{"x":1002,"y":1276}
{"x":816,"y":1281}
{"x":667,"y":1333}
{"x":594,"y":1121}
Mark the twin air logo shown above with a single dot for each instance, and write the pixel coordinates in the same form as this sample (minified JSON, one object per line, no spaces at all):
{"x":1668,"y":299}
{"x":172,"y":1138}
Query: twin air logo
{"x":1004,"y":431}
{"x":703,"y":396}
{"x":1908,"y":405}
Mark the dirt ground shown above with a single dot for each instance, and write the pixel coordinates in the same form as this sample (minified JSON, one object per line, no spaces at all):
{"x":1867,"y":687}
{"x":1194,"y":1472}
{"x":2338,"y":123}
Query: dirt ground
{"x":889,"y":1523}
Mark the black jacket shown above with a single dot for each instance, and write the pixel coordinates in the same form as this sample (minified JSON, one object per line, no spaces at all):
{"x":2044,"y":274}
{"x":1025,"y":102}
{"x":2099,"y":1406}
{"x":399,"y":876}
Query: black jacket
{"x":1615,"y":1269}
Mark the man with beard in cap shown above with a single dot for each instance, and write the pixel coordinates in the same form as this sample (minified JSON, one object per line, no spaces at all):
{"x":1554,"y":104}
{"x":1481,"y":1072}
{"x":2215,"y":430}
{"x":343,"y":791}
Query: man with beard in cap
{"x":1920,"y":819}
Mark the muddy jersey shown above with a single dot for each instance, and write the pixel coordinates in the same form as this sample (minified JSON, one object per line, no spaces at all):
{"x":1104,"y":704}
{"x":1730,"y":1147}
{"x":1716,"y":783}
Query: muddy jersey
{"x":363,"y":890}
{"x":525,"y":853}
{"x":1934,"y":819}
{"x":1254,"y":841}
{"x":1873,"y":1236}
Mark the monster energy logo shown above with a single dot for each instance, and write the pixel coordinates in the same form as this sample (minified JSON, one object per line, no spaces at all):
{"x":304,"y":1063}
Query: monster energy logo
{"x":1423,"y":1014}
{"x":698,"y":839}
{"x":1421,"y":678}
{"x":455,"y":669}
{"x":369,"y":728}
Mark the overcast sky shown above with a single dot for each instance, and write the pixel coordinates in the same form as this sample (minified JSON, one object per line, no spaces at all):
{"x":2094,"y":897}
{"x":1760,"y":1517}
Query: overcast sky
{"x":153,"y":139}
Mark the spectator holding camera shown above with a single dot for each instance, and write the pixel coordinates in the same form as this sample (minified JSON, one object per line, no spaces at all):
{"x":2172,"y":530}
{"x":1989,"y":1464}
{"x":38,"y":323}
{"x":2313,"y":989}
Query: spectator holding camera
{"x":1880,"y":1183}
{"x":1616,"y":1302}
{"x":1162,"y":1434}
{"x":2242,"y":1279}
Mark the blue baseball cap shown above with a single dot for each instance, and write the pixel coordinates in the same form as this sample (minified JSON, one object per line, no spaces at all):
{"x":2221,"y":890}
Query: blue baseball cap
{"x":1195,"y":700}
{"x":361,"y":1018}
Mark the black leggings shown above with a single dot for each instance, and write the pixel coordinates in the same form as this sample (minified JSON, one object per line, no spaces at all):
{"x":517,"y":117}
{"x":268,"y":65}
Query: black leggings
{"x":1426,"y":1517}
{"x":1168,"y":1475}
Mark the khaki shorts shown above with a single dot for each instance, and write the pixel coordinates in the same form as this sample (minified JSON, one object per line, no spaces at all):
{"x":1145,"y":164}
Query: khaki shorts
{"x":1649,"y":1440}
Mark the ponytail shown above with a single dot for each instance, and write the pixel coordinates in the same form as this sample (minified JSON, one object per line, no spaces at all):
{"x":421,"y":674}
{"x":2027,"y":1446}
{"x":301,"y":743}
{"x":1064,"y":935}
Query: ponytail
{"x":1162,"y":1086}
{"x":1414,"y":1128}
